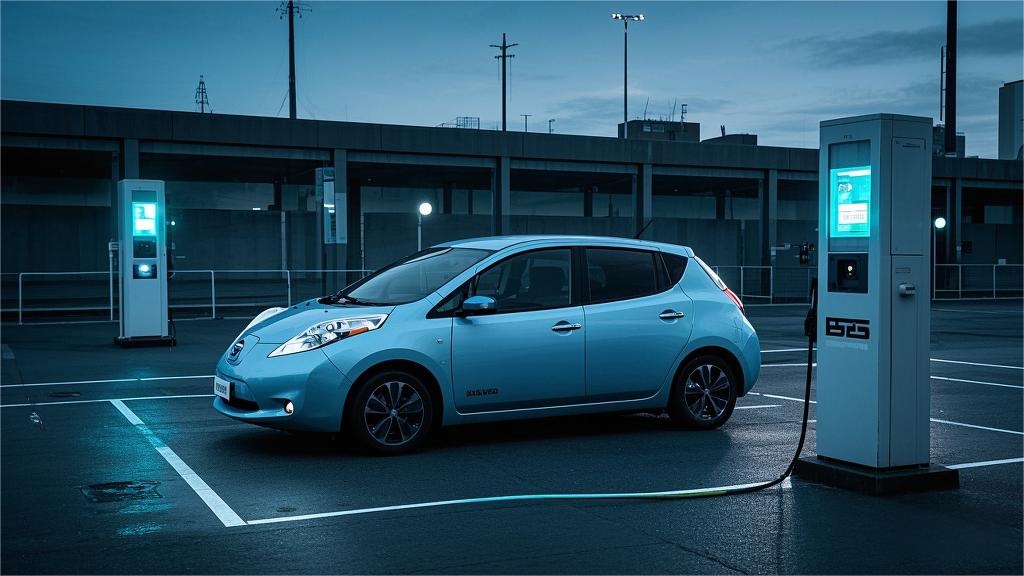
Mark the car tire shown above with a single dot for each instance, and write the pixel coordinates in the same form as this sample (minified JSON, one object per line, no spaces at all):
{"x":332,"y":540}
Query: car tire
{"x":391,"y":413}
{"x":704,"y":393}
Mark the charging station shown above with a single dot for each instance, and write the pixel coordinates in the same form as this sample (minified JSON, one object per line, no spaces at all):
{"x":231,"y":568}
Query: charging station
{"x":142,"y":264}
{"x":873,"y":318}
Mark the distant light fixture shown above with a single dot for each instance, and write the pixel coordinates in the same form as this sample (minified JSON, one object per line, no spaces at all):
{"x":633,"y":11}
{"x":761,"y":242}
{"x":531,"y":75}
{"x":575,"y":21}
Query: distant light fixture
{"x":256,"y":209}
{"x":940,"y":223}
{"x":144,"y":268}
{"x":172,"y":223}
{"x":426,"y":209}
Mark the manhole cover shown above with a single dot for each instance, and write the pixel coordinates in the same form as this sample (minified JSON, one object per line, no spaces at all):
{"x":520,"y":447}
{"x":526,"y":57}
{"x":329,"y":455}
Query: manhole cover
{"x":121,"y":491}
{"x":65,"y":394}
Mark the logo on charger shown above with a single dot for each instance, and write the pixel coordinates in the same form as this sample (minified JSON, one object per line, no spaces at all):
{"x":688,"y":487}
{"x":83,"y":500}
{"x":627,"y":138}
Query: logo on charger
{"x":847,"y":328}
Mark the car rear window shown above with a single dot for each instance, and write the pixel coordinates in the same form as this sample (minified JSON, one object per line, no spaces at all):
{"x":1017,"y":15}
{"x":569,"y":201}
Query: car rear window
{"x":676,"y":265}
{"x":620,"y":274}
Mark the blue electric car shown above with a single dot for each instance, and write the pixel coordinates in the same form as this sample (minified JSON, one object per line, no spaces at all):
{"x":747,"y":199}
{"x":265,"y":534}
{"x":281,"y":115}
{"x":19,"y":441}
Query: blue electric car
{"x":497,"y":328}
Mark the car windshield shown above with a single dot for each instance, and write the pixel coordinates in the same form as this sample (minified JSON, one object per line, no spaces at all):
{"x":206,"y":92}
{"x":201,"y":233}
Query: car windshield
{"x":411,"y":278}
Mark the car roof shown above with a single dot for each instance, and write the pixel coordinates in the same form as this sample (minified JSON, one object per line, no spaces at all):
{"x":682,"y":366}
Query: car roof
{"x":501,"y":242}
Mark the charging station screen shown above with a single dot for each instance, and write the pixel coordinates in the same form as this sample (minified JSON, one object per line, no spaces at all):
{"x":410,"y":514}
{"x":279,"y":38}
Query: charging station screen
{"x":144,"y":218}
{"x":850,"y":202}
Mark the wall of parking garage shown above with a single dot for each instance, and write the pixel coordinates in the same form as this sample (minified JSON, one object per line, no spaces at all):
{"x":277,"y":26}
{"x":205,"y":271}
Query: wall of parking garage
{"x":242,"y":191}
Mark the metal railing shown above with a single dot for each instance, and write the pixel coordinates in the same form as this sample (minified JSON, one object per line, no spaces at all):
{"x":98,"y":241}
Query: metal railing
{"x":91,"y":292}
{"x":987,"y":281}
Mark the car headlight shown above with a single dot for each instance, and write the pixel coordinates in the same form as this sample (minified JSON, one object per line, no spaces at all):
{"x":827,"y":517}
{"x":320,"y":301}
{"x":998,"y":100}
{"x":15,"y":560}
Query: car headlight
{"x":323,"y":333}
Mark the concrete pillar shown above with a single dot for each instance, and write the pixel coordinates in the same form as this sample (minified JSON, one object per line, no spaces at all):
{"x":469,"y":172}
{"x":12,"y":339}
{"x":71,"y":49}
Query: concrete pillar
{"x":446,"y":198}
{"x":501,"y":183}
{"x":588,"y":200}
{"x":956,"y":223}
{"x":642,"y":199}
{"x":129,"y":159}
{"x":768,"y":195}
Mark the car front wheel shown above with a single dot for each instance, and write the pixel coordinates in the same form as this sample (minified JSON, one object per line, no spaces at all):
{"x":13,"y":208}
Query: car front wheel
{"x":704,"y":394}
{"x":391,"y":413}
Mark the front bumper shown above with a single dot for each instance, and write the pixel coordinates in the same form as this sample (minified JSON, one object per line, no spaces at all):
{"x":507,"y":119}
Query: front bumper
{"x":261,"y":386}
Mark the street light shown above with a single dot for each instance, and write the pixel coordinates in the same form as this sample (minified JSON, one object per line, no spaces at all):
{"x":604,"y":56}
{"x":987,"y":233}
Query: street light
{"x":938,"y":224}
{"x":626,"y":18}
{"x":424,"y":210}
{"x":550,"y":122}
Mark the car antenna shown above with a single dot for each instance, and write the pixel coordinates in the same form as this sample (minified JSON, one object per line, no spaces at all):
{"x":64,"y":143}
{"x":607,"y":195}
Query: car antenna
{"x":642,"y":230}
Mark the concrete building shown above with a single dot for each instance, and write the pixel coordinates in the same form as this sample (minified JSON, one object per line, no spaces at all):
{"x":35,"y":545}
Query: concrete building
{"x":243,"y":193}
{"x":669,"y":130}
{"x":1011,"y":121}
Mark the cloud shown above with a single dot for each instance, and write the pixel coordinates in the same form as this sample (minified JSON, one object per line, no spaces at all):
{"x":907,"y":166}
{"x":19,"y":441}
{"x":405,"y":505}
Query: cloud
{"x":998,"y":38}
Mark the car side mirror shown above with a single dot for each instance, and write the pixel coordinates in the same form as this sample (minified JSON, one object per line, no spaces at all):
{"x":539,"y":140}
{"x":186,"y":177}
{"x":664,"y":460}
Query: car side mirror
{"x":479,"y":305}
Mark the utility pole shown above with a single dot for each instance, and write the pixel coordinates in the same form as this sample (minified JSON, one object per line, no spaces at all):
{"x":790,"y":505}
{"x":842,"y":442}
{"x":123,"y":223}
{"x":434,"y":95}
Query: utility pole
{"x":504,"y":73}
{"x":292,"y":8}
{"x":201,"y":100}
{"x":550,"y":122}
{"x":526,"y":122}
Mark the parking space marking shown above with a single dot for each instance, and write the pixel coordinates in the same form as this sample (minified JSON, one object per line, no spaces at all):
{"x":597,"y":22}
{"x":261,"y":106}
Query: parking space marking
{"x":70,"y":383}
{"x":986,"y":463}
{"x":781,"y":397}
{"x":758,"y":406}
{"x":976,"y":426}
{"x":977,"y":382}
{"x":797,"y":365}
{"x":977,"y":364}
{"x":107,"y":400}
{"x":224,"y":512}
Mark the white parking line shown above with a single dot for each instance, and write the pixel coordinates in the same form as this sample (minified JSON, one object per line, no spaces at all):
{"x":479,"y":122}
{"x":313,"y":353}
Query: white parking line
{"x":976,"y":426}
{"x":758,"y":406}
{"x":987,"y":463}
{"x":107,"y":400}
{"x":224,"y":512}
{"x":976,"y":382}
{"x":780,"y":397}
{"x":74,"y":382}
{"x":797,"y":365}
{"x":977,"y":364}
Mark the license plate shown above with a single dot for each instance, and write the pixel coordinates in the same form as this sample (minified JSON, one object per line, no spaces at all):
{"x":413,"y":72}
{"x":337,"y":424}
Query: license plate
{"x":222,"y":388}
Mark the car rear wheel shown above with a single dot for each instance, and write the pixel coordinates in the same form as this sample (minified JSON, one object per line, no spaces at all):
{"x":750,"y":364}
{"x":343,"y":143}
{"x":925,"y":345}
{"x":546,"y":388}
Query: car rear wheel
{"x":391,"y":413}
{"x":704,"y":394}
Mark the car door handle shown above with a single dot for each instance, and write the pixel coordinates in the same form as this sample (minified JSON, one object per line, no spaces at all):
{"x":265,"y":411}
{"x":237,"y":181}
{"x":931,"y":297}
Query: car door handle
{"x":670,"y":315}
{"x":566,"y":327}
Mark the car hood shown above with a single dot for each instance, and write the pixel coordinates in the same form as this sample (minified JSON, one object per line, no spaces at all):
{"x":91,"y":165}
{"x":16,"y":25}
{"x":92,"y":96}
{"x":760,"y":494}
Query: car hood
{"x":290,"y":322}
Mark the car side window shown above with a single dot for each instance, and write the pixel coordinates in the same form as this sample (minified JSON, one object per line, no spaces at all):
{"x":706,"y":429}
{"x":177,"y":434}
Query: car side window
{"x":614,"y":274}
{"x":530,"y":281}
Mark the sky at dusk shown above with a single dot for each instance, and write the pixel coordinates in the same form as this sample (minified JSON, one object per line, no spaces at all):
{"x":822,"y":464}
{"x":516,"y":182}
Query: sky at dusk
{"x":775,"y":69}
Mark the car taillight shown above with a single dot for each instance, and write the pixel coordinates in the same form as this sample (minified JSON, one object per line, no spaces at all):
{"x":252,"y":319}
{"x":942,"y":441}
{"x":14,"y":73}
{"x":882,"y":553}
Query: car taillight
{"x":735,"y":300}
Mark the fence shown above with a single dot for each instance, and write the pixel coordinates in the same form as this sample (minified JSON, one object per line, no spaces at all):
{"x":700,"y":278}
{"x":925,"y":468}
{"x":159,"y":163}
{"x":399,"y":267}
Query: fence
{"x":190,"y":292}
{"x":208,"y":292}
{"x":957,"y":281}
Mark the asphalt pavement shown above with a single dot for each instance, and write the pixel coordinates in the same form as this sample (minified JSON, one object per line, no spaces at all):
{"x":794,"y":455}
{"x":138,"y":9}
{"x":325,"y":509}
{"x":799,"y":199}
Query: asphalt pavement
{"x":113,"y":461}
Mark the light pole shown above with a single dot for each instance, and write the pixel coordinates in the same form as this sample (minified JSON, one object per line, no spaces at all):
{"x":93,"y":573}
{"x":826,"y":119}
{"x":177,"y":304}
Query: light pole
{"x":550,"y":122}
{"x":526,"y":122}
{"x":424,"y":210}
{"x":625,"y":63}
{"x":939,"y":224}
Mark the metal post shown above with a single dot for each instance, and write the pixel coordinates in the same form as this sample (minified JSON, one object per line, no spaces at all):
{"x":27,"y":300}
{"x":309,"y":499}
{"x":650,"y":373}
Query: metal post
{"x":625,"y":83}
{"x":288,"y":275}
{"x":110,"y":281}
{"x":213,"y":296}
{"x":419,"y":231}
{"x":19,"y":297}
{"x":994,"y":281}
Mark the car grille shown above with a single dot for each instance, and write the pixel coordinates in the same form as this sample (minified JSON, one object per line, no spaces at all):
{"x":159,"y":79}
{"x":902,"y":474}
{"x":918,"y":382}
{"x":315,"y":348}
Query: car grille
{"x":246,"y":405}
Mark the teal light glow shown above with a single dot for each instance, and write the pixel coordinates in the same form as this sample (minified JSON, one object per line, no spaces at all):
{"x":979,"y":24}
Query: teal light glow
{"x":850,"y":202}
{"x":144,"y":218}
